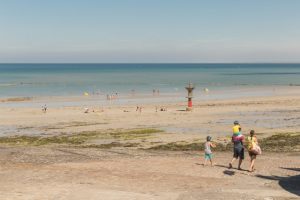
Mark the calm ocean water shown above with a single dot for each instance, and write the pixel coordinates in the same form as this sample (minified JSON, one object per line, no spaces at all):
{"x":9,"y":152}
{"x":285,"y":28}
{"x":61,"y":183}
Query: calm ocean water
{"x":75,"y":79}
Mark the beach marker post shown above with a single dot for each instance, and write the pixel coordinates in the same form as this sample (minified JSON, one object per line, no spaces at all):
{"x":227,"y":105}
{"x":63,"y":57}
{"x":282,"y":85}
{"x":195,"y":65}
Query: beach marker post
{"x":190,"y":89}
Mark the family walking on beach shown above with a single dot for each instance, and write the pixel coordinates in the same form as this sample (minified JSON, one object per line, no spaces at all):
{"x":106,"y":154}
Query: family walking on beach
{"x":238,"y":141}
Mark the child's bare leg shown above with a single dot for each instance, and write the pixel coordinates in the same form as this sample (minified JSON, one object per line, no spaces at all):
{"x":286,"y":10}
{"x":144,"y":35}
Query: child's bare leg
{"x":232,"y":161}
{"x":211,"y":162}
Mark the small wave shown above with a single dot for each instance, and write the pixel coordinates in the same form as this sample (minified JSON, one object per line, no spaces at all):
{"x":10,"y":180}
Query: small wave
{"x":291,"y":84}
{"x":7,"y":84}
{"x":262,"y":73}
{"x":21,"y":83}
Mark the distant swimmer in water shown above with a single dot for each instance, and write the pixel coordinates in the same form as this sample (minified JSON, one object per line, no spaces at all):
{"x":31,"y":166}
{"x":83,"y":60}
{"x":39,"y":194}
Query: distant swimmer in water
{"x":132,"y":92}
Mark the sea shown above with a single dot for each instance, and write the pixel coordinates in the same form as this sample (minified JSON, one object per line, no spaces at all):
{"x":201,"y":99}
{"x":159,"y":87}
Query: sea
{"x":45,"y":80}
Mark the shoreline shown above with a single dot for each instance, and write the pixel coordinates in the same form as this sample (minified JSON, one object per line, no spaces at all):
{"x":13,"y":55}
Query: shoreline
{"x":229,"y":93}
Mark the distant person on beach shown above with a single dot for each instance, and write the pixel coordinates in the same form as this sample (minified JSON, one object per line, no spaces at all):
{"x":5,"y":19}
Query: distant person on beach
{"x":253,"y":149}
{"x":207,"y":150}
{"x":44,"y":108}
{"x":163,"y":109}
{"x":139,"y":108}
{"x":238,"y":145}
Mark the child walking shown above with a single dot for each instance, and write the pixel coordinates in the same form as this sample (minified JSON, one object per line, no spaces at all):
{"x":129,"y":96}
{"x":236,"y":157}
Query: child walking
{"x":207,"y":150}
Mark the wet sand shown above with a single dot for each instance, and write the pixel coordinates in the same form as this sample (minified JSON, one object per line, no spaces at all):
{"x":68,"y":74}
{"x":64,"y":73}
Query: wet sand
{"x":267,"y":115}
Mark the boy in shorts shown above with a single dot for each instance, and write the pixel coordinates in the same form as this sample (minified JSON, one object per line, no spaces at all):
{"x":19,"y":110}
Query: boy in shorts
{"x":207,"y":150}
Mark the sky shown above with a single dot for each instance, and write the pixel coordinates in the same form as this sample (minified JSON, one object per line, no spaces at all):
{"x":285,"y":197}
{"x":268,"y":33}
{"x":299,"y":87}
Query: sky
{"x":149,"y":31}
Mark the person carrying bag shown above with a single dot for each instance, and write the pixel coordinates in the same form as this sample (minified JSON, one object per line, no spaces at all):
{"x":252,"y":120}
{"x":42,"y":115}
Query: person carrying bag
{"x":253,"y":149}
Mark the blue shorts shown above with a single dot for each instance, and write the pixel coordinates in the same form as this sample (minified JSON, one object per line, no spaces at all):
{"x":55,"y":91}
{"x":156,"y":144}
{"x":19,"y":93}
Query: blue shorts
{"x":208,"y":156}
{"x":238,"y":153}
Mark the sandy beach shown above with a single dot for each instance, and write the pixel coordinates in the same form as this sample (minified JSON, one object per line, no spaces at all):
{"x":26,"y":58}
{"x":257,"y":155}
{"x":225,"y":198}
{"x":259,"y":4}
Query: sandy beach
{"x":68,"y":173}
{"x":150,"y":100}
{"x":113,"y":156}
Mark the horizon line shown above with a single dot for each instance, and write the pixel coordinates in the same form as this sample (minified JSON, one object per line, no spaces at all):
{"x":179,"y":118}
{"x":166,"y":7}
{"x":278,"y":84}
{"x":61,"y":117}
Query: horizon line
{"x":149,"y":63}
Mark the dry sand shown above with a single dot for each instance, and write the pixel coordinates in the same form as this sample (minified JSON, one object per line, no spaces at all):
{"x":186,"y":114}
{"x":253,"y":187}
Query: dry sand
{"x":68,"y":173}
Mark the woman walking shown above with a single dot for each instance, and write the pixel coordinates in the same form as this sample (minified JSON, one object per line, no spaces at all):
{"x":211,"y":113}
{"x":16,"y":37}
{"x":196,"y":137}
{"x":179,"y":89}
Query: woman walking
{"x":253,"y":149}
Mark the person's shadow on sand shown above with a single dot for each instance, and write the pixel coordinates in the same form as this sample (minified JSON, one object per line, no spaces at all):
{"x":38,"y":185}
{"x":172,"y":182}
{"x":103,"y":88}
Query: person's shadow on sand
{"x":232,"y":168}
{"x":290,"y":184}
{"x":228,"y":172}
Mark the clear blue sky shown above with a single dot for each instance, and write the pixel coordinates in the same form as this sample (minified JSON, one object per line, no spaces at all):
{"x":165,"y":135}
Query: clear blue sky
{"x":150,"y":31}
